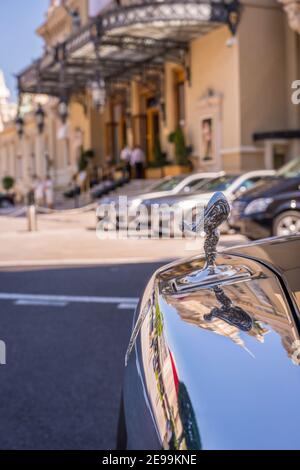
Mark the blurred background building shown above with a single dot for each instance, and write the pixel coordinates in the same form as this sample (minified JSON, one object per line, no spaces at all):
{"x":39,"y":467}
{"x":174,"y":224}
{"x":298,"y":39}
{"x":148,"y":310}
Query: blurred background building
{"x":198,"y":81}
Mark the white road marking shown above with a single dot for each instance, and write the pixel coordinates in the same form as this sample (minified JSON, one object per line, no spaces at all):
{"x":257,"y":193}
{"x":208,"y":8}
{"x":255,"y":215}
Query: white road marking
{"x":40,"y":303}
{"x":124,"y":306}
{"x":68,"y":299}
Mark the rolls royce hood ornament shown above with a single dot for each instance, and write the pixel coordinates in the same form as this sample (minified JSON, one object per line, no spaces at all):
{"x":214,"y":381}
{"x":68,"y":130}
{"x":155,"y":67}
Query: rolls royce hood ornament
{"x":216,"y":213}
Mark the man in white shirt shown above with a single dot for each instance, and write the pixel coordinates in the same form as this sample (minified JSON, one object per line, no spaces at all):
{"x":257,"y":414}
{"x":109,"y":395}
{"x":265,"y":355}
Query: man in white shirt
{"x":138,"y":160}
{"x":126,"y":155}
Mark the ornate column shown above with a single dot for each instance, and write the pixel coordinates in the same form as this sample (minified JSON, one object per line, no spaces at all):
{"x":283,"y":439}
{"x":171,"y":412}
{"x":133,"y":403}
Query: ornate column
{"x":292,"y":8}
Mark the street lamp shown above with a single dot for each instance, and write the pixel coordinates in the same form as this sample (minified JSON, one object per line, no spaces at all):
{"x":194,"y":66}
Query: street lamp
{"x":20,"y":126}
{"x":63,"y":110}
{"x":98,"y":94}
{"x":40,"y":118}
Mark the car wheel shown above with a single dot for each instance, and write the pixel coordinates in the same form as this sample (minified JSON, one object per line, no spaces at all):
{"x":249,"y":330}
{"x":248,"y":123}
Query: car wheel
{"x":287,"y":223}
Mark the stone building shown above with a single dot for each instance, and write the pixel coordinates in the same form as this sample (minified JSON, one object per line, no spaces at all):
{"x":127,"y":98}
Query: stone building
{"x":135,"y":71}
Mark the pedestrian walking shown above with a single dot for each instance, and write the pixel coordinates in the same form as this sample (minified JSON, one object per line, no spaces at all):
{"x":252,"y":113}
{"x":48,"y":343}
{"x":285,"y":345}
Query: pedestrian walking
{"x":125,"y":157}
{"x":138,"y":160}
{"x":49,"y":193}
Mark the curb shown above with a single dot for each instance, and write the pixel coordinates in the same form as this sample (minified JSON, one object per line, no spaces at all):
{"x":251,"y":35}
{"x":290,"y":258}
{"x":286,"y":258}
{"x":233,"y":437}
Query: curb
{"x":80,"y":262}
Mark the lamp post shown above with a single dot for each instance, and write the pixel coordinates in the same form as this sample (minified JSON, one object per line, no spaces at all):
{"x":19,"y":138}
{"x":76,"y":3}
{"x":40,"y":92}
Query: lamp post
{"x":40,"y":118}
{"x":98,"y":94}
{"x":63,"y":114}
{"x":40,"y":124}
{"x":20,"y":126}
{"x":63,"y":110}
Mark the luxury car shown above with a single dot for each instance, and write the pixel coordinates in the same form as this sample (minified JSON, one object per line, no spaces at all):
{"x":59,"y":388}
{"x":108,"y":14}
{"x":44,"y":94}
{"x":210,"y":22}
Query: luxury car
{"x":170,"y":187}
{"x":105,"y":187}
{"x":232,"y":185}
{"x":6,"y":201}
{"x":213,"y":360}
{"x":271,"y":208}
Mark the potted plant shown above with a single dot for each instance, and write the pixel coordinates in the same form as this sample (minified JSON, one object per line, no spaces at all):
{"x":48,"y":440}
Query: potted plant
{"x":181,"y":154}
{"x":156,"y":167}
{"x":8,"y":183}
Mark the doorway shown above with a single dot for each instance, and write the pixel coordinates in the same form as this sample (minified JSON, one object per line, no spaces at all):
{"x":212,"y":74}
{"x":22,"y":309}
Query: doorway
{"x":276,"y":153}
{"x":153,"y":131}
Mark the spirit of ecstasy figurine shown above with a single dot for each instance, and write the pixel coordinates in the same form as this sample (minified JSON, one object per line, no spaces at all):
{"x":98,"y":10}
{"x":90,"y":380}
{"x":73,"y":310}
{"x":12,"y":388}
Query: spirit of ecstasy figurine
{"x":212,"y":274}
{"x":216,"y":213}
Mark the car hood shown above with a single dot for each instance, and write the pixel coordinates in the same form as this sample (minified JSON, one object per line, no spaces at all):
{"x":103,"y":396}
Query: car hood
{"x":142,"y":197}
{"x":185,"y":200}
{"x":270,"y":188}
{"x":219,"y":362}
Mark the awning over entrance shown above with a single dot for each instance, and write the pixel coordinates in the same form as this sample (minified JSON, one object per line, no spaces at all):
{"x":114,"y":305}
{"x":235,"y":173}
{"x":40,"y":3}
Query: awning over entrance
{"x":277,"y":135}
{"x":126,"y":41}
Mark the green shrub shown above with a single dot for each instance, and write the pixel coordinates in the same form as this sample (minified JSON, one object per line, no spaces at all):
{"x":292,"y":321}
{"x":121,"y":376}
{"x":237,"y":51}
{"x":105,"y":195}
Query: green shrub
{"x":89,"y":154}
{"x":82,"y":162}
{"x":159,"y":155}
{"x":85,"y":157}
{"x":181,"y":151}
{"x":8,"y":182}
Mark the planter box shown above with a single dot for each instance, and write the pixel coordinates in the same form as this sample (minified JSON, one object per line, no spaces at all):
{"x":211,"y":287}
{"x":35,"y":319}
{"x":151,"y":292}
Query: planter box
{"x":155,"y":173}
{"x":175,"y":170}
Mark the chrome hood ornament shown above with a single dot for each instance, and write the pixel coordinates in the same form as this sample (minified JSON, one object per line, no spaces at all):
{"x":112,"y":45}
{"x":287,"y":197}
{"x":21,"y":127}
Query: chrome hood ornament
{"x":216,"y":213}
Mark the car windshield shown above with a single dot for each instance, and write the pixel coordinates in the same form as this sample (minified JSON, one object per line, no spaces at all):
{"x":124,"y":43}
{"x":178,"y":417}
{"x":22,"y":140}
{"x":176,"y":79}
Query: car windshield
{"x":218,"y":184}
{"x":169,"y":184}
{"x":198,"y":184}
{"x":290,"y":170}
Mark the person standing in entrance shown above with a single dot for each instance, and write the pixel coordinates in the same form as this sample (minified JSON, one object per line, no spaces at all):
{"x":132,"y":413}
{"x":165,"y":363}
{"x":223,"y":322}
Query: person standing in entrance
{"x":125,"y":157}
{"x":138,"y":160}
{"x":49,"y":195}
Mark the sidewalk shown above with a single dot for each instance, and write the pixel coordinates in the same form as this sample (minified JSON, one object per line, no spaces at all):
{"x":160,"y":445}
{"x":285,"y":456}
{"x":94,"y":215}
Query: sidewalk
{"x":69,"y":238}
{"x":64,"y":239}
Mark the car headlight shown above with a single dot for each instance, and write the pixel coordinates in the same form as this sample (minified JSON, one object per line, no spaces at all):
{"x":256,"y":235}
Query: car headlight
{"x":135,"y":203}
{"x":258,"y":206}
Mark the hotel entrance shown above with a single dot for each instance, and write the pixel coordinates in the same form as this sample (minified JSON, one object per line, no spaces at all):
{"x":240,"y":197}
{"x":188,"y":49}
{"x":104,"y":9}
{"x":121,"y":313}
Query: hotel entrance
{"x":153,"y":127}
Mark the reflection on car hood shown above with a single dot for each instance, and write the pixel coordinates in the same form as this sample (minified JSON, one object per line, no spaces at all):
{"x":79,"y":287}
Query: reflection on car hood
{"x":220,"y":363}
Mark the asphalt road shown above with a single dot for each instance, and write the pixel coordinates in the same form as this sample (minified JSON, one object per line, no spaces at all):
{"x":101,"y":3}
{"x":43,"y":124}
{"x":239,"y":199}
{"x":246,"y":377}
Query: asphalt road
{"x":60,"y":387}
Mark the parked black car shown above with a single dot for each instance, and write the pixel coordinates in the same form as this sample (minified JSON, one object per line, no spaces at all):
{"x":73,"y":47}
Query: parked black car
{"x":6,"y":200}
{"x":105,"y":187}
{"x":216,"y":365}
{"x":271,"y":208}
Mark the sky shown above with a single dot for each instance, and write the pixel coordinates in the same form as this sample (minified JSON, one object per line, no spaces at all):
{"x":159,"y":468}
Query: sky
{"x":19,"y":44}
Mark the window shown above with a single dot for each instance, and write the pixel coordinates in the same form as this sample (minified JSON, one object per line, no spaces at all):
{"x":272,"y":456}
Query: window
{"x":218,"y":184}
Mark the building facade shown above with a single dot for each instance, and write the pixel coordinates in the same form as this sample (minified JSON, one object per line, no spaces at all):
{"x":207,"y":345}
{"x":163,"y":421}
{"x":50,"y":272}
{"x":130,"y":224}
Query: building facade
{"x":137,"y":71}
